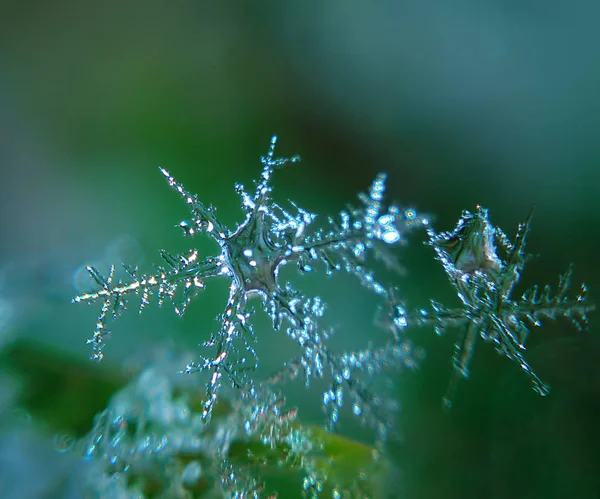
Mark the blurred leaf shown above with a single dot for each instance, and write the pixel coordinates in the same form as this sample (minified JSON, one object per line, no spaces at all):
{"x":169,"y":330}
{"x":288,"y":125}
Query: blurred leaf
{"x":55,"y":388}
{"x":64,"y":394}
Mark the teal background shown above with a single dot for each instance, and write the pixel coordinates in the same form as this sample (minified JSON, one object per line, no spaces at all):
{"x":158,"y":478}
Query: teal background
{"x":491,"y":103}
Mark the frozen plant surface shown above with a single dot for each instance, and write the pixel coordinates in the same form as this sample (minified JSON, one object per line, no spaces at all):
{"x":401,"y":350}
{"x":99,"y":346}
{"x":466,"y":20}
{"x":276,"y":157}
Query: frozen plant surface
{"x":484,"y":282}
{"x":251,"y":256}
{"x":150,"y":442}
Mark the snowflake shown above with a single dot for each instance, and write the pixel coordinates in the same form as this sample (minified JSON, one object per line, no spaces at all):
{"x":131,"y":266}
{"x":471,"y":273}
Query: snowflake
{"x":484,"y":283}
{"x":251,"y":257}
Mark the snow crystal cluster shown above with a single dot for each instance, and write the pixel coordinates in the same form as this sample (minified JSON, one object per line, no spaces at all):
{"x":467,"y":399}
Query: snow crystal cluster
{"x":147,"y":428}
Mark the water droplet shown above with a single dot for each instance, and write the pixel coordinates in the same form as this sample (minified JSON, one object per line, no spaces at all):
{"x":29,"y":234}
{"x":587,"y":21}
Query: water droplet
{"x":334,"y":415}
{"x":64,"y":442}
{"x":89,"y":452}
{"x":401,"y":321}
{"x":356,"y":409}
{"x":339,"y":396}
{"x":386,"y":219}
{"x":161,"y":444}
{"x":192,"y":473}
{"x":390,"y":236}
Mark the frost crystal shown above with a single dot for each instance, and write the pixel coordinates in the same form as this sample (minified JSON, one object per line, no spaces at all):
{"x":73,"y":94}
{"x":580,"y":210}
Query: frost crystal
{"x":484,"y":283}
{"x":150,"y":442}
{"x":251,"y":257}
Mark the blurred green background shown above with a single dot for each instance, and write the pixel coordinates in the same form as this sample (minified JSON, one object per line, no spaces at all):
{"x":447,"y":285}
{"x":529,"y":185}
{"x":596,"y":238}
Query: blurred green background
{"x":492,"y":103}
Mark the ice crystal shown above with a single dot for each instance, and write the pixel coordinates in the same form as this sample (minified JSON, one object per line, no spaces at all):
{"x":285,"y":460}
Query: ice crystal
{"x":153,"y":438}
{"x":150,"y":442}
{"x":484,"y":283}
{"x":251,"y":256}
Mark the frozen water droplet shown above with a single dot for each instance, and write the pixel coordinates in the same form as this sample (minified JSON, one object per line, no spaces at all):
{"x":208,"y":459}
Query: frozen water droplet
{"x":401,"y":322}
{"x":161,"y":444}
{"x":334,"y":415}
{"x":89,"y":452}
{"x":339,"y":396}
{"x":63,"y":442}
{"x":390,"y":235}
{"x":192,"y":473}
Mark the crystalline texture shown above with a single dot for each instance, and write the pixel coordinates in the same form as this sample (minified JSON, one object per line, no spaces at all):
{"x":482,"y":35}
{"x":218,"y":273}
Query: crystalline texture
{"x":251,"y":256}
{"x":484,"y":283}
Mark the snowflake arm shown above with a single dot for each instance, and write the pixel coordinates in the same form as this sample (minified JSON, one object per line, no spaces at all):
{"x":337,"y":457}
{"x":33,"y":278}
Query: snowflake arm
{"x":204,"y":218}
{"x":359,"y":231}
{"x":178,"y":284}
{"x":228,"y":358}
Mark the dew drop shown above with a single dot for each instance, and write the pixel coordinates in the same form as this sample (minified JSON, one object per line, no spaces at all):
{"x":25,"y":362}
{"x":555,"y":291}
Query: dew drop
{"x":192,"y":473}
{"x":64,"y":442}
{"x":89,"y":452}
{"x":334,"y":415}
{"x":401,"y":322}
{"x":391,"y":236}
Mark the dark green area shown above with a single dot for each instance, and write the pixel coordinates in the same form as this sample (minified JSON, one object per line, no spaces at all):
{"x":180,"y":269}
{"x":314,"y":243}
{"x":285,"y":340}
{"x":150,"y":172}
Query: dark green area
{"x":58,"y":391}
